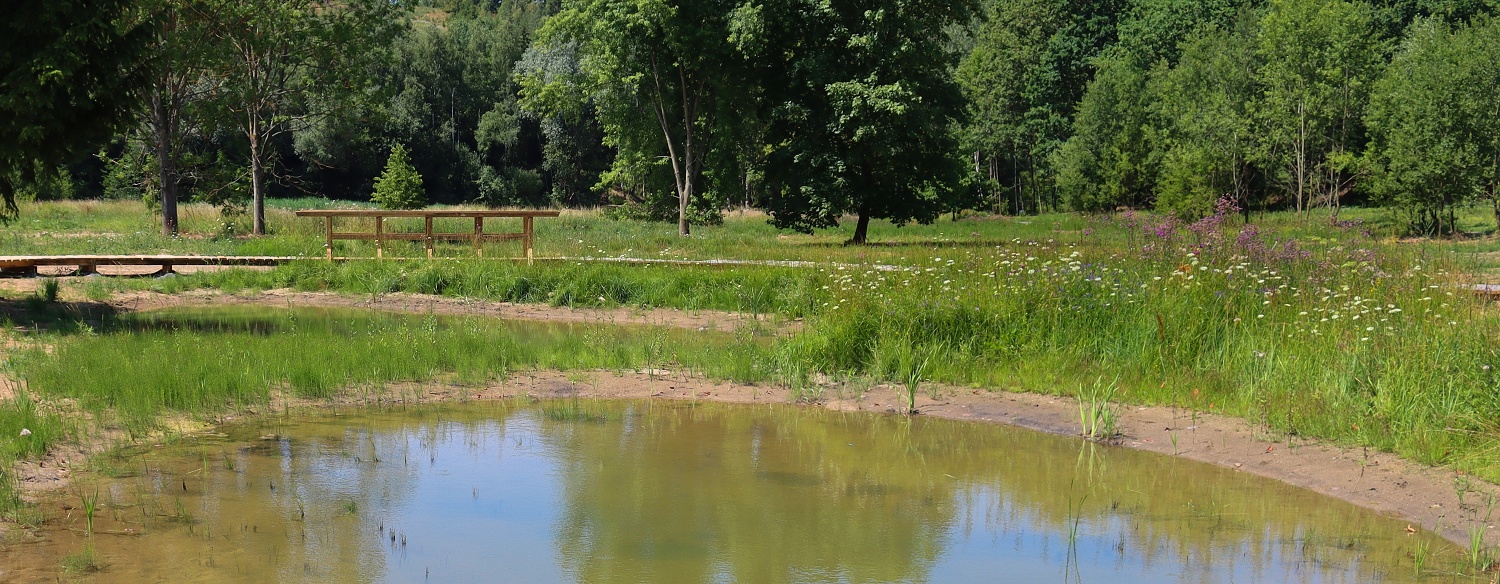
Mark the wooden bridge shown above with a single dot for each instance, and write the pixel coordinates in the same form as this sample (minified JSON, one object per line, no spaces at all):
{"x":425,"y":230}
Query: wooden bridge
{"x":379,"y":235}
{"x":23,"y":266}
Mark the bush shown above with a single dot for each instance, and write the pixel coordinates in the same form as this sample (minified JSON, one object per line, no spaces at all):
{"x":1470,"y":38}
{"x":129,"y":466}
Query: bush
{"x":399,"y":187}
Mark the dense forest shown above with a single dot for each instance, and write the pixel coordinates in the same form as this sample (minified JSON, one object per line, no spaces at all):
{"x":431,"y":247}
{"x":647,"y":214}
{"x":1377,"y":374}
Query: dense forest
{"x":812,"y":111}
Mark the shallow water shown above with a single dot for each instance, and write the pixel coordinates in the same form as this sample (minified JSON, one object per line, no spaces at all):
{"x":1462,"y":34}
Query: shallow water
{"x":591,"y":491}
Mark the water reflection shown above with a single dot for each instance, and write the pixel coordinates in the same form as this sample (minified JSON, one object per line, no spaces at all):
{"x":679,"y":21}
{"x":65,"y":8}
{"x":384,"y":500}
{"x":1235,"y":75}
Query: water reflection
{"x":581,"y":491}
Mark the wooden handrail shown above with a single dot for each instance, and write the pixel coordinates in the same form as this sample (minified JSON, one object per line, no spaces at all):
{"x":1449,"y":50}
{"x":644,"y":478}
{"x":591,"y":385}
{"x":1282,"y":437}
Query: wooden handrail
{"x":478,"y":236}
{"x":421,"y":213}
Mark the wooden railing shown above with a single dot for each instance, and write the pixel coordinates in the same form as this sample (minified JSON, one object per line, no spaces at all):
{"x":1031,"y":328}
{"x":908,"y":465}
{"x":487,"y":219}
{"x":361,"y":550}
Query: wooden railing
{"x":427,"y":235}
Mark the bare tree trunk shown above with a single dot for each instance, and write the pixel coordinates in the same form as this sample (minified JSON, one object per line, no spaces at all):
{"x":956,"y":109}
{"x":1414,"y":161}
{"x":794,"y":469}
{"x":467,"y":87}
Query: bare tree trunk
{"x":257,"y":177}
{"x":682,"y":170}
{"x":1300,"y":151}
{"x":163,"y":126}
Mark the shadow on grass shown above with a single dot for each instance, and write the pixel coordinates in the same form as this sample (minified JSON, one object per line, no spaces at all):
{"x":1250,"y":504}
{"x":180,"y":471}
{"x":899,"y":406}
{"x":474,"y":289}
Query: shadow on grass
{"x":976,"y":243}
{"x":32,"y":313}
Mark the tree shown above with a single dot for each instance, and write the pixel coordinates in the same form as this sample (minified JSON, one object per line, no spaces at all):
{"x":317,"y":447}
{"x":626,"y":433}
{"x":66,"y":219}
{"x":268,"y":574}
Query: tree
{"x":1435,"y":122}
{"x":179,"y":80}
{"x":70,"y":75}
{"x":1317,"y":60}
{"x":573,"y":153}
{"x":285,"y":53}
{"x":1110,"y":160}
{"x":1205,"y":104}
{"x":1115,"y":152}
{"x":1031,"y":64}
{"x":658,"y":73}
{"x":400,"y":186}
{"x":863,"y":109}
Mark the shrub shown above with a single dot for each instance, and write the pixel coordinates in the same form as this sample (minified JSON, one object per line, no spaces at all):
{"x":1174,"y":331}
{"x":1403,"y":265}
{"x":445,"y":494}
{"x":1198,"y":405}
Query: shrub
{"x":399,"y":187}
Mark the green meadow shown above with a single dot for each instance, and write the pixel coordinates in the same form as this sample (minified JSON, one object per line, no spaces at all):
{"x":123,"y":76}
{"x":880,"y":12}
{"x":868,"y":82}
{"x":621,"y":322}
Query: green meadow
{"x":1305,"y":327}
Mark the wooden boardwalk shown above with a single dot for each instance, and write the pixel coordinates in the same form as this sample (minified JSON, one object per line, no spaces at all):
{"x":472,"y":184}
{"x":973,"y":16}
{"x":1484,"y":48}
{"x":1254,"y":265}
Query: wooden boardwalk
{"x":22,"y":266}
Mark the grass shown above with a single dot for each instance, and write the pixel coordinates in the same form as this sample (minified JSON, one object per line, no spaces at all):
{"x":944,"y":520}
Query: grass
{"x":236,"y":357}
{"x":84,"y":561}
{"x":1096,"y":411}
{"x":1310,"y":329}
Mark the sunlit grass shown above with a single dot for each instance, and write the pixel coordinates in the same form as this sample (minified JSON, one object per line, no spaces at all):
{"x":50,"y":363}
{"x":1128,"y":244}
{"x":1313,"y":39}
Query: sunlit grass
{"x":1336,"y":331}
{"x":209,"y":361}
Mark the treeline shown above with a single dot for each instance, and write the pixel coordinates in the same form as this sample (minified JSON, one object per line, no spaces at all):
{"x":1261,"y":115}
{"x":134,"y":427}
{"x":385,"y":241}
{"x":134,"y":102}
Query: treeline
{"x":898,"y":109}
{"x":1286,"y":104}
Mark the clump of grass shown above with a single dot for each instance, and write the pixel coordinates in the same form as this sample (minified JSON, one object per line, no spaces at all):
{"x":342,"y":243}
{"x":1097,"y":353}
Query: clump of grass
{"x":84,"y":561}
{"x":90,"y":506}
{"x":1419,"y":555}
{"x":49,"y":290}
{"x":1096,"y":411}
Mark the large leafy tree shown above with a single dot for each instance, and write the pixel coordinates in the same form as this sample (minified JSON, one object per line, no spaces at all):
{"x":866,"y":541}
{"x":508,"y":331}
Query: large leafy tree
{"x":1435,"y":122}
{"x":1115,"y":151}
{"x":292,"y":63}
{"x":70,"y":75}
{"x":862,"y":108}
{"x":659,"y":73}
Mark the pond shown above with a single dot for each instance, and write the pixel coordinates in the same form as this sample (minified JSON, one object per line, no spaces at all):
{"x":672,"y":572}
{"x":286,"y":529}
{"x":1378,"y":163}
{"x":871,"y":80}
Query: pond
{"x":630,"y":491}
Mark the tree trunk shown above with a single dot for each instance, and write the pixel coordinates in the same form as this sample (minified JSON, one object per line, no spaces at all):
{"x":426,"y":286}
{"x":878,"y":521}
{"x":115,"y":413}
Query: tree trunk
{"x":257,"y":187}
{"x":166,"y":162}
{"x":682,"y":204}
{"x":861,"y":228}
{"x":1495,"y":202}
{"x":168,"y":174}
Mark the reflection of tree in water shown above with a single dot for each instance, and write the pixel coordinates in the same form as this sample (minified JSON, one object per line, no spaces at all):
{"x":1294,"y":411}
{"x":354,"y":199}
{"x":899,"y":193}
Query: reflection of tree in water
{"x":698,"y":494}
{"x":312,"y":503}
{"x":676,"y":493}
{"x":670,"y":492}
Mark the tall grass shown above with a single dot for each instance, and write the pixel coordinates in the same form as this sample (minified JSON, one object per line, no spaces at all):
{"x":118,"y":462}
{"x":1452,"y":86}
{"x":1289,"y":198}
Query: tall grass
{"x":207,"y":361}
{"x":1351,"y":340}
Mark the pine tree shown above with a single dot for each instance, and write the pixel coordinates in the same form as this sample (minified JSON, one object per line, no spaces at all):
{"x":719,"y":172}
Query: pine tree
{"x":399,"y":187}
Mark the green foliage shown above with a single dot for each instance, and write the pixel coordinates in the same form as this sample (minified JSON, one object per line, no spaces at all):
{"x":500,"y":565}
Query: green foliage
{"x":1317,"y":60}
{"x":399,"y":187}
{"x":1110,"y":161}
{"x":661,"y":76}
{"x":863,"y":114}
{"x":1435,"y":122}
{"x":1206,"y":104}
{"x":294,"y":63}
{"x":71,"y":72}
{"x":1031,"y":63}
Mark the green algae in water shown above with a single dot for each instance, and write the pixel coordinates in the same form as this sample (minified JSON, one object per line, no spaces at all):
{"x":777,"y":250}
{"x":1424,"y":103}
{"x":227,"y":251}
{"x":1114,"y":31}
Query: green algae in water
{"x":598,"y":491}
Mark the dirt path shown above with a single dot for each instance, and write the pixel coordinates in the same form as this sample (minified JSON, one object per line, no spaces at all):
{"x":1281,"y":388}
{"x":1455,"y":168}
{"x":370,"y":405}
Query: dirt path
{"x":1424,"y":496}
